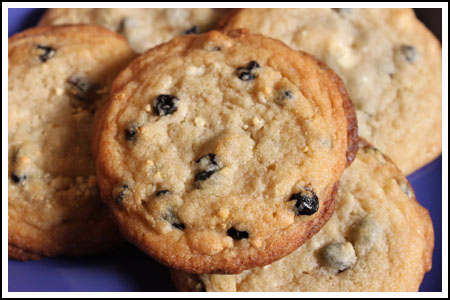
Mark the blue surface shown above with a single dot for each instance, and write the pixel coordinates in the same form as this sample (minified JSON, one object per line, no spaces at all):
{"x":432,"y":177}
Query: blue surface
{"x":128,"y":269}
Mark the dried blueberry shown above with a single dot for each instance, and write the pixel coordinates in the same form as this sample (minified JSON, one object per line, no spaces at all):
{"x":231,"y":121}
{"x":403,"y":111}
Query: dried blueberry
{"x":49,"y":52}
{"x":343,"y":11}
{"x":252,"y":65}
{"x":179,"y":226}
{"x":130,"y":133}
{"x":339,"y":256}
{"x":404,"y":186}
{"x":162,"y":192}
{"x":288,"y":94}
{"x":119,"y":198}
{"x":174,"y":220}
{"x":18,"y":178}
{"x":246,"y":76}
{"x":122,"y":25}
{"x":165,"y":104}
{"x":82,"y":89}
{"x":208,"y":165}
{"x":193,"y":30}
{"x":236,"y":234}
{"x":283,"y":95}
{"x":409,"y":52}
{"x":203,"y":175}
{"x":306,"y":203}
{"x":246,"y":73}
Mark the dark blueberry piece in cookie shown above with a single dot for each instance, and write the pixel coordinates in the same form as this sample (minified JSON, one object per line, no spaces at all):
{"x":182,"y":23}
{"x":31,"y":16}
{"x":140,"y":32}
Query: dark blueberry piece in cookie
{"x":246,"y":73}
{"x":174,"y":220}
{"x":284,"y":95}
{"x":306,"y":203}
{"x":246,"y":76}
{"x":339,"y":256}
{"x":179,"y":226}
{"x":165,"y":104}
{"x":343,"y":11}
{"x":131,"y":133}
{"x":203,"y":175}
{"x":49,"y":52}
{"x":18,"y":178}
{"x":236,"y":234}
{"x":162,"y":192}
{"x":288,"y":94}
{"x":124,"y":23}
{"x":82,"y":89}
{"x":119,"y":198}
{"x":252,"y":65}
{"x":208,"y":165}
{"x":193,"y":30}
{"x":409,"y":52}
{"x":405,"y":187}
{"x":209,"y":162}
{"x":217,"y":48}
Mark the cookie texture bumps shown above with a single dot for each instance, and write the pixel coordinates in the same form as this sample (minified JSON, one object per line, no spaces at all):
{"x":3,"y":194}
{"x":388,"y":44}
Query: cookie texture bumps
{"x":220,"y":152}
{"x":378,"y":239}
{"x":390,"y":63}
{"x":57,"y":76}
{"x":144,"y":28}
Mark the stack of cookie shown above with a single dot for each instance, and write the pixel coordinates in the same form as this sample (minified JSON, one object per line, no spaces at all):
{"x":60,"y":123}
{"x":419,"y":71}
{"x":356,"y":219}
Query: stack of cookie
{"x":228,"y":152}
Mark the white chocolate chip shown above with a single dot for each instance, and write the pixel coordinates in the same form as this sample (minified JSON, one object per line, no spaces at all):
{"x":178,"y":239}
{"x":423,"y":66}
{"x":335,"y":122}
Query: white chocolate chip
{"x":148,"y":108}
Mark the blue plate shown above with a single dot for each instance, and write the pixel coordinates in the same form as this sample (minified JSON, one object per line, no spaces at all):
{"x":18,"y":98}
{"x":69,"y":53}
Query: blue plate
{"x":129,"y":270}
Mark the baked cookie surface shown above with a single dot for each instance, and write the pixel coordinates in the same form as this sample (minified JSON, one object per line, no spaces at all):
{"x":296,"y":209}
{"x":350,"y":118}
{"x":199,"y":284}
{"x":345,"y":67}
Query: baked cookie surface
{"x":144,"y":28}
{"x":211,"y":150}
{"x":390,"y":63}
{"x":56,"y":78}
{"x":378,"y":239}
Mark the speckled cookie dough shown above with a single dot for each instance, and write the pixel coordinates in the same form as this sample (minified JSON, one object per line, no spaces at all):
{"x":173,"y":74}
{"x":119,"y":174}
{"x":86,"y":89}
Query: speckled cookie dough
{"x":378,"y":239}
{"x":212,"y":149}
{"x":389,"y":61}
{"x":57,"y":76}
{"x":144,"y":28}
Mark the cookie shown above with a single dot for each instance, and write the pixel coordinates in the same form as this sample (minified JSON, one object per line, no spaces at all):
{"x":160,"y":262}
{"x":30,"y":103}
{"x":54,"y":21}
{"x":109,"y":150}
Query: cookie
{"x":390,"y":63}
{"x":144,"y":28}
{"x":57,"y":76}
{"x":211,"y":150}
{"x":20,"y":254}
{"x":378,"y":239}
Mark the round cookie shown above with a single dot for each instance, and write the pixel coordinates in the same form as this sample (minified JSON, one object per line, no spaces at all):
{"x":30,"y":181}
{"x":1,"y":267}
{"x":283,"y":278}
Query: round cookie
{"x":378,"y":239}
{"x":57,"y":76}
{"x":390,"y":63}
{"x":144,"y":28}
{"x":212,"y":148}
